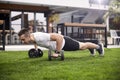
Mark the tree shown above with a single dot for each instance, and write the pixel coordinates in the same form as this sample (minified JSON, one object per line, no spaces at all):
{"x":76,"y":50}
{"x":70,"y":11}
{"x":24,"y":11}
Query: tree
{"x":115,"y":10}
{"x":114,"y":13}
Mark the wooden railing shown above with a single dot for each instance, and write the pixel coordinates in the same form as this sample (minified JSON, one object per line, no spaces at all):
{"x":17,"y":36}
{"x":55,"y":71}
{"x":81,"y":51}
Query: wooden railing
{"x":84,"y":32}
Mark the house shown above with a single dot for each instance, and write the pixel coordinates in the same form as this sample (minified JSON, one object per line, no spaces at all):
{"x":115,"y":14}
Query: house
{"x":79,"y":11}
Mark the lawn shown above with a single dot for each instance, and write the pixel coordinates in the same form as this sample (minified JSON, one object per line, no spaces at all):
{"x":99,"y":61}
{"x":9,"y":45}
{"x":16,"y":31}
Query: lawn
{"x":78,"y":65}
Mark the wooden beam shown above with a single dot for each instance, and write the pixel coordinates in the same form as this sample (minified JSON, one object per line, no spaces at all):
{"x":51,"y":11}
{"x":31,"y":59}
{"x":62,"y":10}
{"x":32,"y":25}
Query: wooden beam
{"x":83,"y":25}
{"x":16,"y":17}
{"x":5,"y":11}
{"x":20,"y":7}
{"x":8,"y":31}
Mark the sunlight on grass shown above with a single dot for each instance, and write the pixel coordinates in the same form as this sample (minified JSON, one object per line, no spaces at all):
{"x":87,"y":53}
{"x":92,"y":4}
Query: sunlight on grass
{"x":78,"y":65}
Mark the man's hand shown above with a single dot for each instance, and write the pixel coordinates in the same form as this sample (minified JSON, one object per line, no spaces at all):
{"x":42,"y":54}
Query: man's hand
{"x":55,"y":55}
{"x":36,"y":49}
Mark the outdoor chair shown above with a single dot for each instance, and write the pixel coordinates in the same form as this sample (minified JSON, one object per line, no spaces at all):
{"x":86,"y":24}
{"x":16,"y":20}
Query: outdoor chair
{"x":115,"y":37}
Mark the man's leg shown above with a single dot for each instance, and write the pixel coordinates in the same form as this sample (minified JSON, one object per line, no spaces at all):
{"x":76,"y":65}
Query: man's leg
{"x":88,"y":45}
{"x":92,"y":47}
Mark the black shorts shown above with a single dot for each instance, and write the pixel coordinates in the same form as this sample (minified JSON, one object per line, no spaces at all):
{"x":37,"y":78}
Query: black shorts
{"x":71,"y":44}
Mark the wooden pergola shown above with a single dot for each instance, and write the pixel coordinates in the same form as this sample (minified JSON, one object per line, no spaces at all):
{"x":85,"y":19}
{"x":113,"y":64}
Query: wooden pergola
{"x":7,"y":7}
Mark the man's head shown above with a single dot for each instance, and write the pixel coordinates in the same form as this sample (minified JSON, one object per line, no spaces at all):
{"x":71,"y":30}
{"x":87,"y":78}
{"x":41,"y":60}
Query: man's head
{"x":24,"y":35}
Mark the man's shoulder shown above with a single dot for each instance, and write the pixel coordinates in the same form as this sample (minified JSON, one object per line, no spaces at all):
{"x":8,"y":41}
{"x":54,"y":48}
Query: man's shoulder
{"x":40,"y":34}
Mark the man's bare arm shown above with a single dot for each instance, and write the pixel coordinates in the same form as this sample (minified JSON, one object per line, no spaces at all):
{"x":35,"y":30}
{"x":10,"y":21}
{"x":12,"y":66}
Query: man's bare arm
{"x":35,"y":45}
{"x":59,"y":40}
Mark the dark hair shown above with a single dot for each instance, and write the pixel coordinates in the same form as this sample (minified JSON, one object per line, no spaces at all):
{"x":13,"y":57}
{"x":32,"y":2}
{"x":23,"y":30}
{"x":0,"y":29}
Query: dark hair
{"x":23,"y":31}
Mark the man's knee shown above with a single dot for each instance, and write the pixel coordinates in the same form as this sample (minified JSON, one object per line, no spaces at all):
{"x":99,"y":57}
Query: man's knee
{"x":82,"y":46}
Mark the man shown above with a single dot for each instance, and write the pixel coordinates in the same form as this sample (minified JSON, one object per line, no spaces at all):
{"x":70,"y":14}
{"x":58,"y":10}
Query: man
{"x":58,"y":42}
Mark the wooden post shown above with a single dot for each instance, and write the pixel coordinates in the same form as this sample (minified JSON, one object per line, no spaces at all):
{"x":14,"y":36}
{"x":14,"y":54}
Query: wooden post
{"x":34,"y":25}
{"x":49,"y":29}
{"x":3,"y":35}
{"x":47,"y":22}
{"x":10,"y":28}
{"x":22,"y":20}
{"x":2,"y":22}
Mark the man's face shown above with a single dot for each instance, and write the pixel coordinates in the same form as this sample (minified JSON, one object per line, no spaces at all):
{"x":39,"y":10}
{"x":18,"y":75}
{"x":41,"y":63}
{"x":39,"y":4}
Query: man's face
{"x":25,"y":39}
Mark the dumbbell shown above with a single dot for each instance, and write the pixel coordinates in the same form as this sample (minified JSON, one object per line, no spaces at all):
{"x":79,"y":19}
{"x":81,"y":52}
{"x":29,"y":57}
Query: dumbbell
{"x":61,"y":55}
{"x":33,"y":53}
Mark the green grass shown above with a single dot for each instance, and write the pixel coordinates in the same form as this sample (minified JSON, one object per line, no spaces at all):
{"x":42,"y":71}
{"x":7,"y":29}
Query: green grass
{"x":78,"y":65}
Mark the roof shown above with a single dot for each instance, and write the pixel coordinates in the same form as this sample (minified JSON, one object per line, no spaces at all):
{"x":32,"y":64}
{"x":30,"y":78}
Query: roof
{"x":43,"y":6}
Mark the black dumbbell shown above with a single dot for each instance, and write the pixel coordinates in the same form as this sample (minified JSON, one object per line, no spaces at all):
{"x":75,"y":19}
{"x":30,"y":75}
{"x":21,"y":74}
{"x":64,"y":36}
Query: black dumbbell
{"x":33,"y":53}
{"x":61,"y":55}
